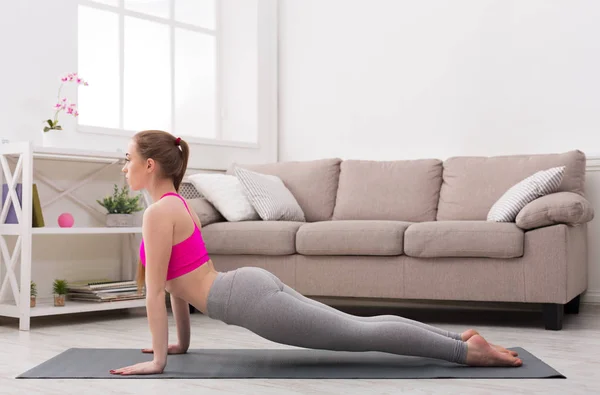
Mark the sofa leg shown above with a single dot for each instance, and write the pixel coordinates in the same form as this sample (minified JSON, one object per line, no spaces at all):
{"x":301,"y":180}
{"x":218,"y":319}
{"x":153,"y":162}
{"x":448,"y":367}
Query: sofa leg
{"x":553,"y":316}
{"x":573,"y":306}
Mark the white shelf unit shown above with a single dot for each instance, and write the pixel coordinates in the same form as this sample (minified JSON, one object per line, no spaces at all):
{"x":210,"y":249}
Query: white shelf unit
{"x":23,"y":153}
{"x":46,"y":307}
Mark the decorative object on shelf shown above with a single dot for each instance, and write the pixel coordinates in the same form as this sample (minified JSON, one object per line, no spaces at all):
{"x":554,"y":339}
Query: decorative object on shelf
{"x":62,"y":105}
{"x":104,"y":291}
{"x":65,"y":220}
{"x":120,"y":207}
{"x":38,"y":216}
{"x":11,"y":217}
{"x":33,"y":293}
{"x":60,"y":288}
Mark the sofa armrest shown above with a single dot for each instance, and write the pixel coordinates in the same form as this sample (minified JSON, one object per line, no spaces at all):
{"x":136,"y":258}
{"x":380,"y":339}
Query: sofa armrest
{"x":207,"y":213}
{"x":556,"y":208}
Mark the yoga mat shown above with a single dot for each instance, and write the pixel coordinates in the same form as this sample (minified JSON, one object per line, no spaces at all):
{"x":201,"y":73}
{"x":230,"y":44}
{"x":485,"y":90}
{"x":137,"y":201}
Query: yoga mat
{"x":91,"y":363}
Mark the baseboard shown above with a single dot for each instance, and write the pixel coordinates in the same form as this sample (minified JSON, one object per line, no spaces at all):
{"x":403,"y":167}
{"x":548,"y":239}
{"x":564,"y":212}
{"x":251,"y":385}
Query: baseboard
{"x":591,"y":297}
{"x":425,"y":304}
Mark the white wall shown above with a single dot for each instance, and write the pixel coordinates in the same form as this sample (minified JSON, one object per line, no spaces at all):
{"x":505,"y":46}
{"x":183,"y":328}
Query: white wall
{"x":38,"y":40}
{"x":391,"y":79}
{"x":593,"y":194}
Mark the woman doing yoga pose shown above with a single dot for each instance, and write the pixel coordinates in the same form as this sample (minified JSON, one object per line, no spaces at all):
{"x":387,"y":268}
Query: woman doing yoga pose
{"x":174,"y":259}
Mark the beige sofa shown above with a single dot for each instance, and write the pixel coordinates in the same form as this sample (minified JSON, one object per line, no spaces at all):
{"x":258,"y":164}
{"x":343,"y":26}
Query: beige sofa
{"x":417,"y":230}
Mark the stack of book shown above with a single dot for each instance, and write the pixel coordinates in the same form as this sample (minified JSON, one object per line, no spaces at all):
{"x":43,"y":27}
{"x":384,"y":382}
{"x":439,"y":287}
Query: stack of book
{"x":104,"y":291}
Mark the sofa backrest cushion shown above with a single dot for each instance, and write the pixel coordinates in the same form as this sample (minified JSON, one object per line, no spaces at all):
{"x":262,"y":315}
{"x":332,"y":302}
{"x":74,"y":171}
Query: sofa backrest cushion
{"x":313,"y":183}
{"x":472,"y":184}
{"x":403,"y":190}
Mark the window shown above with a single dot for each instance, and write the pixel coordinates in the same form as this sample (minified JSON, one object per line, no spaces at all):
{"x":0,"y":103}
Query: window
{"x":150,"y":64}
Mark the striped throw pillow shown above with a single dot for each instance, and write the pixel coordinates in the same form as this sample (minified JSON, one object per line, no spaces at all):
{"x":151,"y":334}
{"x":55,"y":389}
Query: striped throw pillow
{"x":518,"y":196}
{"x":269,"y":196}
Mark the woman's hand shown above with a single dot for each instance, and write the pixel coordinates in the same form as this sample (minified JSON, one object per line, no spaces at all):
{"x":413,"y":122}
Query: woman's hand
{"x":172,"y":349}
{"x":150,"y":367}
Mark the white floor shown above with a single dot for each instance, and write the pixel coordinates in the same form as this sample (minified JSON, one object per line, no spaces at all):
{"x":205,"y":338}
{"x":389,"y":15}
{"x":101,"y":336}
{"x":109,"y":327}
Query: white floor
{"x":574,"y":352}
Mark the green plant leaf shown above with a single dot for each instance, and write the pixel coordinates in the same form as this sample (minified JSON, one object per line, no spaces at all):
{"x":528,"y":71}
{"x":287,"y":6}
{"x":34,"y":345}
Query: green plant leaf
{"x":60,"y":287}
{"x":120,"y":202}
{"x":50,"y":122}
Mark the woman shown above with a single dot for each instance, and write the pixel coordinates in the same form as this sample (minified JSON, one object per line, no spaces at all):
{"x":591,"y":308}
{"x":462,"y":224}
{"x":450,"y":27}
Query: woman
{"x":173,"y":259}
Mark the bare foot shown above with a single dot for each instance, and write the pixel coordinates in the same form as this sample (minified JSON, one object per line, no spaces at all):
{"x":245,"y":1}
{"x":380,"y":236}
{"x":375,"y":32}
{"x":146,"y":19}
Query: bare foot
{"x":480,"y":353}
{"x":469,"y":333}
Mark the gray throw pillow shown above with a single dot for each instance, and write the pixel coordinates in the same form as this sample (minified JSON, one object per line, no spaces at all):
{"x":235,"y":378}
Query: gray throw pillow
{"x":269,"y":196}
{"x":206,"y":212}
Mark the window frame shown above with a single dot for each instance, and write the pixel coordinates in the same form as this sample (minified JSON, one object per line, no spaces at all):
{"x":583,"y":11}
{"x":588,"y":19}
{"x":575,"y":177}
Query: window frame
{"x":121,"y":13}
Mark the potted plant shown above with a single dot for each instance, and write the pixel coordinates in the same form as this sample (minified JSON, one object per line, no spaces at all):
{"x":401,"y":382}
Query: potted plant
{"x":60,"y":290}
{"x":62,"y":104}
{"x":33,"y":294}
{"x":120,"y":207}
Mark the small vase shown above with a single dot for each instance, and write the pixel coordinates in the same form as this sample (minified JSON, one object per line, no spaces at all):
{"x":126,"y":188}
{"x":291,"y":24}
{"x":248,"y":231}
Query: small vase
{"x":51,"y":138}
{"x":32,"y":301}
{"x":59,"y":300}
{"x":119,"y":220}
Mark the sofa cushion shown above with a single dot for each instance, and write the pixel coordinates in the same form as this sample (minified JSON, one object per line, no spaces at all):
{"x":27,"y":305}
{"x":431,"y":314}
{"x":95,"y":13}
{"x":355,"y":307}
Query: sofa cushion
{"x":364,"y":237}
{"x":404,"y":190}
{"x":480,"y":239}
{"x":471,"y":185}
{"x":557,"y":208}
{"x":251,"y":237}
{"x":313,"y":183}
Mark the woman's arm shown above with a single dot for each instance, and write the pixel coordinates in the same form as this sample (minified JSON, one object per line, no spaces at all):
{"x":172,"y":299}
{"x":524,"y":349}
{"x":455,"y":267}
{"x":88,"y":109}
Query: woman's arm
{"x":157,"y":230}
{"x":181,"y":312}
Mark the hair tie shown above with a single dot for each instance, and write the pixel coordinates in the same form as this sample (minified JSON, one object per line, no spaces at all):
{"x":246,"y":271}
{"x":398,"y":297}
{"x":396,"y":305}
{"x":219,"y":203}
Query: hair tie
{"x":177,"y":140}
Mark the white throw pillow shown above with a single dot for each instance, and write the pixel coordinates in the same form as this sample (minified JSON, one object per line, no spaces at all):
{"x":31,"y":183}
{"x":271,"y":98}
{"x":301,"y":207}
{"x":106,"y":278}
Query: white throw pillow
{"x":518,"y":196}
{"x":269,"y":196}
{"x":225,"y":192}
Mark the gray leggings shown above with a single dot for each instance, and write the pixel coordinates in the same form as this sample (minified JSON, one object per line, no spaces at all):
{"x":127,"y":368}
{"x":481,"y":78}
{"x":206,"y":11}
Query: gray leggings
{"x":257,"y":300}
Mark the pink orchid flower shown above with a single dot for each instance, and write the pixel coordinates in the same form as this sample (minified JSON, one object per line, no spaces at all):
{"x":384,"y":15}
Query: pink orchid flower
{"x":63,"y":104}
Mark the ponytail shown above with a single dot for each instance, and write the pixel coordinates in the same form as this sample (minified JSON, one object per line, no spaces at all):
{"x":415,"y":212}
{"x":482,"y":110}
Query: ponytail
{"x":185,"y":154}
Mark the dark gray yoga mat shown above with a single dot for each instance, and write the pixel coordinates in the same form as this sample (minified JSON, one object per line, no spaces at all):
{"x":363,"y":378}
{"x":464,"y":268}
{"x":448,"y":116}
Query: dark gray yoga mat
{"x":90,"y":363}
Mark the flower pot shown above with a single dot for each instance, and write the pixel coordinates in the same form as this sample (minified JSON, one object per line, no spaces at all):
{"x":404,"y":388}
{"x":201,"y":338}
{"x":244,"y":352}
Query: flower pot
{"x":59,"y":300}
{"x":51,"y":138}
{"x":32,"y":301}
{"x":119,"y":220}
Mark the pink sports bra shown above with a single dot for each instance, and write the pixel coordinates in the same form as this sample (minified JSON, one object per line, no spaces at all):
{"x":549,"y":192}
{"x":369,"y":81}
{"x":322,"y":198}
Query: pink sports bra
{"x":186,"y":255}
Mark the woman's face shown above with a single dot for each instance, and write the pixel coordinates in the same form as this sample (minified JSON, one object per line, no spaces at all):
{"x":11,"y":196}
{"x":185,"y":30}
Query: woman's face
{"x":136,"y":168}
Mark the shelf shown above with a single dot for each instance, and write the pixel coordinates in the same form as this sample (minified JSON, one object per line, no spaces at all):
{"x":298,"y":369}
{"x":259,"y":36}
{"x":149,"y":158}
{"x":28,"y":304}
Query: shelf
{"x":82,"y":230}
{"x":23,"y":156}
{"x":45,"y":307}
{"x":78,"y":155}
{"x":15,"y":230}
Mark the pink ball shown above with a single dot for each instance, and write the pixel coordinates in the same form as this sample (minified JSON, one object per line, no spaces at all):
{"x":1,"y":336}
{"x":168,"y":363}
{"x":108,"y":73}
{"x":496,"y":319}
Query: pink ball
{"x":65,"y":220}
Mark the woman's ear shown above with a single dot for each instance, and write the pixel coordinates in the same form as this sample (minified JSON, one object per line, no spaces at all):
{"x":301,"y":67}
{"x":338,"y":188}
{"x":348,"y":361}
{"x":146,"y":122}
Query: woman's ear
{"x":150,"y":165}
